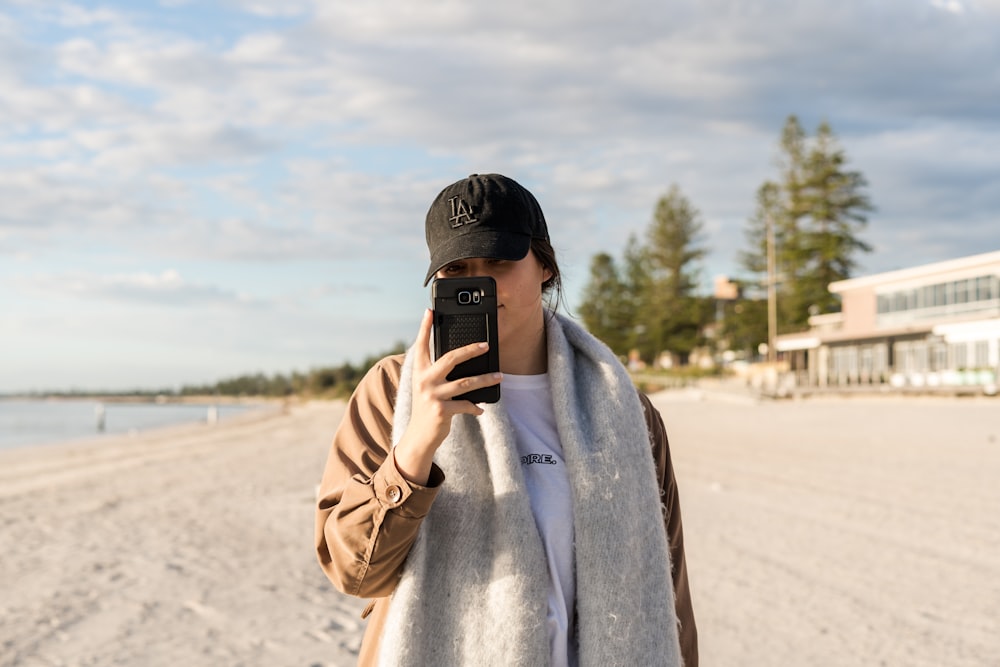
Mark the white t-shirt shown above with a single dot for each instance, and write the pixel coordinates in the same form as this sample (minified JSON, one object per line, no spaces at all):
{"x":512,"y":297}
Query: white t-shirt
{"x":528,"y":399}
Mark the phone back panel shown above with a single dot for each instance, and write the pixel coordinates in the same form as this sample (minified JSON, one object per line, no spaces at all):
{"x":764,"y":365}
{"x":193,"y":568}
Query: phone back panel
{"x":465,"y":311}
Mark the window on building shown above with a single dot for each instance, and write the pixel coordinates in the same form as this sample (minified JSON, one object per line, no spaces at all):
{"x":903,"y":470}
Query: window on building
{"x":921,"y":357}
{"x":959,"y":355}
{"x":961,"y":291}
{"x":940,"y":357}
{"x":978,"y":290}
{"x":927,"y":296}
{"x":881,"y":359}
{"x":902,"y":354}
{"x":986,"y":288}
{"x":981,"y":354}
{"x":982,"y":288}
{"x":940,"y":298}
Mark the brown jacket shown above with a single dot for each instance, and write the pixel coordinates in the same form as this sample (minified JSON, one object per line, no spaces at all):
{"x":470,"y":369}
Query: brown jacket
{"x":368,"y":516}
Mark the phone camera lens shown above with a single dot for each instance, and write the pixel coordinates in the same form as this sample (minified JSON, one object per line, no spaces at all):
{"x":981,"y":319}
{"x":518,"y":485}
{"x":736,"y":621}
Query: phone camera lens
{"x":464,"y":297}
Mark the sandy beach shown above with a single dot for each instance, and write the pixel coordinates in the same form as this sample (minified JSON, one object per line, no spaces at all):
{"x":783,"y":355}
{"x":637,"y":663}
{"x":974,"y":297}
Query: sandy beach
{"x":189,"y":546}
{"x":819,"y":532}
{"x":841,"y":532}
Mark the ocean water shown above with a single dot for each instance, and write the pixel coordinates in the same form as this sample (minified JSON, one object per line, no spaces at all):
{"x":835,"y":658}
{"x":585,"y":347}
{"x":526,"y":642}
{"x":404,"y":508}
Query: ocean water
{"x":32,"y":422}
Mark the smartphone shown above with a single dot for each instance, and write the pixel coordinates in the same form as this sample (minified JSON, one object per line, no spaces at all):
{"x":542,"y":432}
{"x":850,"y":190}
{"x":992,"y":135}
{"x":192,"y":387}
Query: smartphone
{"x":465,"y":311}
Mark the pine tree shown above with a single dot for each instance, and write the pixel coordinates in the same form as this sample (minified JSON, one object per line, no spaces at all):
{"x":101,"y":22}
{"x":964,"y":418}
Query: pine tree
{"x":836,"y":205}
{"x":744,"y":325}
{"x":606,"y":308}
{"x":769,"y":210}
{"x":817,"y":209}
{"x":638,"y":292}
{"x":675,"y":316}
{"x":650,"y":305}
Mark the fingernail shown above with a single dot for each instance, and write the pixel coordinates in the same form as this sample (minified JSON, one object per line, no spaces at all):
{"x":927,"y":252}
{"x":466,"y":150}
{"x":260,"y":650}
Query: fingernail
{"x":483,"y":346}
{"x":498,"y":376}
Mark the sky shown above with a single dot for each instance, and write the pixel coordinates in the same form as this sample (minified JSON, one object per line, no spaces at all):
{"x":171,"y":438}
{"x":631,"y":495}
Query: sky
{"x":191,"y":191}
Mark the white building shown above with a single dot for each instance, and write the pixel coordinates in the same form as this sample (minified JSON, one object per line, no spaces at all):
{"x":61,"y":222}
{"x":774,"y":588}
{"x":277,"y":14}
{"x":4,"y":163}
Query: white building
{"x":922,"y":328}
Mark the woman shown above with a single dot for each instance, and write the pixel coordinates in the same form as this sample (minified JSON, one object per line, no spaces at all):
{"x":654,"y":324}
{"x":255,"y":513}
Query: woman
{"x":534,"y":531}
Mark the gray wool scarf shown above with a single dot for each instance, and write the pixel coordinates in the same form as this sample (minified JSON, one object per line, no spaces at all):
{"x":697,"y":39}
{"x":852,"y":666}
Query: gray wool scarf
{"x":474,"y":587}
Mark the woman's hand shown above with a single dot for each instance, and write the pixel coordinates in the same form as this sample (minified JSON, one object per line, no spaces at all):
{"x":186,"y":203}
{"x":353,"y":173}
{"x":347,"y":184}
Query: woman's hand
{"x":433,"y":407}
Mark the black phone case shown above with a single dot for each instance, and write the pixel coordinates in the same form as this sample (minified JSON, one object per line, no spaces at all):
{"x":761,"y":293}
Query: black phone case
{"x":465,"y":311}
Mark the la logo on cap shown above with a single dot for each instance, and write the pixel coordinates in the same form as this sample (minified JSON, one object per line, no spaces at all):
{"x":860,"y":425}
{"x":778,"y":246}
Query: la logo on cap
{"x":461,"y":214}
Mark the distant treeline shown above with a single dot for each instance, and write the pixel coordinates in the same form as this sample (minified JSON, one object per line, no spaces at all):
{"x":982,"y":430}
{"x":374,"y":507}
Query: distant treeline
{"x":324,"y":382}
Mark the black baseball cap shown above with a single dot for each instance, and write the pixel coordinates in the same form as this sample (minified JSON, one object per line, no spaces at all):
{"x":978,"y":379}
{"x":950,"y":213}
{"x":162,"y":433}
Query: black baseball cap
{"x":484,"y":215}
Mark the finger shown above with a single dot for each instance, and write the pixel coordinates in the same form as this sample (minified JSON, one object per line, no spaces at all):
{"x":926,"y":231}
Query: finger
{"x":463,"y":385}
{"x":422,"y":358}
{"x":447,"y":362}
{"x":464,"y":407}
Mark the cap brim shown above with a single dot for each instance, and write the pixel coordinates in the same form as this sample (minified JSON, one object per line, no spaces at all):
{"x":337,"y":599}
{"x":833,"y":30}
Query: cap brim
{"x":487,"y":243}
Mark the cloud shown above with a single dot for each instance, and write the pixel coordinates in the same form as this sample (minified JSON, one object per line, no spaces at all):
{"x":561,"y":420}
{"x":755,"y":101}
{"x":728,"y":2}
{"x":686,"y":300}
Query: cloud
{"x":342,"y":289}
{"x":697,"y":63}
{"x":166,"y":288}
{"x":300,"y":143}
{"x":76,"y":16}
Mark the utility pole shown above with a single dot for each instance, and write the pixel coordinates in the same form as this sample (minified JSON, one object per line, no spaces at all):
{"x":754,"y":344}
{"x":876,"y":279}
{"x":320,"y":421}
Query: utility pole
{"x":772,"y":293}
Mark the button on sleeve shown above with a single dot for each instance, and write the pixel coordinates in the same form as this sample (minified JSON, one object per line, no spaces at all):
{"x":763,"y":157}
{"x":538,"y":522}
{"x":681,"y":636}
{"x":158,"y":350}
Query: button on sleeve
{"x":395,"y":493}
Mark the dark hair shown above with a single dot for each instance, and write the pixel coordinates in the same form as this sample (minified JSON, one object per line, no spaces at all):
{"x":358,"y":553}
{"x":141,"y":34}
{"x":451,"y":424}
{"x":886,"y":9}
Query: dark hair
{"x":551,"y":288}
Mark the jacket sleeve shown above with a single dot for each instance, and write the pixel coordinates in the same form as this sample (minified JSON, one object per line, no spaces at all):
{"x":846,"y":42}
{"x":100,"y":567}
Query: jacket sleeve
{"x":675,"y":532}
{"x":367,"y":514}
